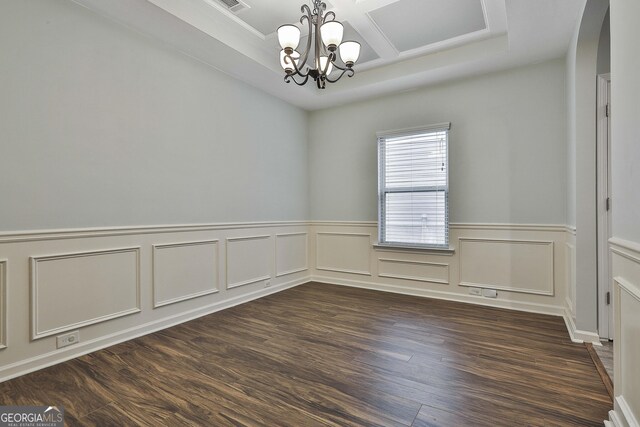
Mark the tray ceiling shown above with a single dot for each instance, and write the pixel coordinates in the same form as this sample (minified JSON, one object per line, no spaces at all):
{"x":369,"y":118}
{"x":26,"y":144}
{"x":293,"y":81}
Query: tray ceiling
{"x":405,"y":43}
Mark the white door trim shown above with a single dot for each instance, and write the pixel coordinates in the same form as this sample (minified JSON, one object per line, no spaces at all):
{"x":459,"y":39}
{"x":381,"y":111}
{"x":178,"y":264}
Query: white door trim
{"x":605,"y":311}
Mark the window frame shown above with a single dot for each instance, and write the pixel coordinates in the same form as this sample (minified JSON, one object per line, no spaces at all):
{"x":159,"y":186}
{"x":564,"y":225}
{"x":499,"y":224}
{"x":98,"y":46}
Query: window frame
{"x":382,"y":192}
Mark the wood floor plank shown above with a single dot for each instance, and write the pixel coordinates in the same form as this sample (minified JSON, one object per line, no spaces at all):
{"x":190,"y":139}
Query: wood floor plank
{"x":323,"y":355}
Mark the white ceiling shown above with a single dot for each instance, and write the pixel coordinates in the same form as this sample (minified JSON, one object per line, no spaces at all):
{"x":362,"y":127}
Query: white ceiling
{"x":406,"y":43}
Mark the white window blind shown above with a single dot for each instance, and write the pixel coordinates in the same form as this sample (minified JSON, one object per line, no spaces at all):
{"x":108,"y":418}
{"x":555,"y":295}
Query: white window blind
{"x":413,"y":187}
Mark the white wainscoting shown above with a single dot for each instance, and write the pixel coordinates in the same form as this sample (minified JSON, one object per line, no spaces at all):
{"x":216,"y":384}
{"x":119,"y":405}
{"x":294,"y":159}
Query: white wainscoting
{"x":509,"y":265}
{"x":229,"y":264}
{"x":291,"y":253}
{"x":626,"y":307}
{"x":182,"y":271}
{"x":72,"y":290}
{"x":114,"y":284}
{"x":570,"y":256}
{"x":248,"y":260}
{"x":519,"y":261}
{"x":420,"y":271}
{"x":3,"y":304}
{"x":343,"y":252}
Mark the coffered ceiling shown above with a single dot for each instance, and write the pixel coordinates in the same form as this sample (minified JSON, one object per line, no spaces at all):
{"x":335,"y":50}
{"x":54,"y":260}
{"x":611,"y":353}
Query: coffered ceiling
{"x":405,"y":43}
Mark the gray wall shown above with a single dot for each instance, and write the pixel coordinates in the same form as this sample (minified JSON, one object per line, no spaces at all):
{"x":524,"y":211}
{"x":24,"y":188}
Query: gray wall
{"x":102,"y":126}
{"x":625,"y":123}
{"x":582,"y":70}
{"x":604,"y":47}
{"x":507,"y":147}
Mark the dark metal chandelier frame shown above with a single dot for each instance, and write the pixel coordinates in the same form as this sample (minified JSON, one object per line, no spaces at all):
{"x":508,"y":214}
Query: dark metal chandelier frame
{"x":326,"y":46}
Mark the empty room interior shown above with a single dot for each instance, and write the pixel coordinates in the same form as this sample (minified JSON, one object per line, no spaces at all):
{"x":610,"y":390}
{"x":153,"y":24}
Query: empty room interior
{"x":307,"y":213}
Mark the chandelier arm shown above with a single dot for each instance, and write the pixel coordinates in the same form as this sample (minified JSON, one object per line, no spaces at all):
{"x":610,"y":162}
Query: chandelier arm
{"x":289,"y":60}
{"x":318,"y":7}
{"x":351,"y":72}
{"x":309,"y":18}
{"x":327,"y":15}
{"x":330,"y":59}
{"x":291,"y":77}
{"x":337,"y":66}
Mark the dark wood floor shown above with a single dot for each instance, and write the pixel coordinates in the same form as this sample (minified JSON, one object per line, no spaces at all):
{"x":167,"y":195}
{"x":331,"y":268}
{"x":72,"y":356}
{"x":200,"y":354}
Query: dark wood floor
{"x":328,"y":355}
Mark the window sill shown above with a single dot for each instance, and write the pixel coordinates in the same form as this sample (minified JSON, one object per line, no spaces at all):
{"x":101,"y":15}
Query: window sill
{"x":423,"y":250}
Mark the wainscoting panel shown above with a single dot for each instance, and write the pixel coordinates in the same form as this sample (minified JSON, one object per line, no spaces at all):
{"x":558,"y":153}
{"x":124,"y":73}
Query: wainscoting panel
{"x":291,"y":253}
{"x":3,"y":304}
{"x":248,"y":260}
{"x":94,"y":279}
{"x":343,"y":252}
{"x":72,"y":290}
{"x":421,"y":271}
{"x":570,"y":256}
{"x":626,"y":308}
{"x":525,"y":266}
{"x":183,"y":271}
{"x":518,"y":260}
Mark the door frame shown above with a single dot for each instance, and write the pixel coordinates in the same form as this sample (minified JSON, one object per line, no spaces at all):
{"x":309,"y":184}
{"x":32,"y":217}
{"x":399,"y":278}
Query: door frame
{"x":603,"y":192}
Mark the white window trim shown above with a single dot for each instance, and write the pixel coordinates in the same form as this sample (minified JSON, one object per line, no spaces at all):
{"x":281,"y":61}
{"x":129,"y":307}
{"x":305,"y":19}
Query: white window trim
{"x":445,"y":126}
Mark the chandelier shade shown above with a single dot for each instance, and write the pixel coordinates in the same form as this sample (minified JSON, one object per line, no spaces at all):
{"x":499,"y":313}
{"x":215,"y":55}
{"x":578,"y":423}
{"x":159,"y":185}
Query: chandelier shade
{"x":288,"y":36}
{"x":331,"y":33}
{"x":286,"y":61}
{"x":325,"y":36}
{"x":349,"y":52}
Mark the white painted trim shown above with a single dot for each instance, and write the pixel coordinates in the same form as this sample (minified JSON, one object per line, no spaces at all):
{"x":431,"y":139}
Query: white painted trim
{"x":236,"y":239}
{"x":156,"y":303}
{"x":623,"y":246}
{"x":340,"y":270}
{"x":550,"y":279}
{"x":414,"y":130}
{"x":632,"y":290}
{"x":306,"y":253}
{"x":338,"y":233}
{"x":514,"y":227}
{"x":33,"y":285}
{"x":226,"y":260}
{"x":390,"y":247}
{"x":605,"y":318}
{"x":577,"y":335}
{"x":78,"y":233}
{"x":343,"y":223}
{"x":621,"y":415}
{"x":89,"y":232}
{"x":3,"y":303}
{"x":418,"y":279}
{"x":558,"y":228}
{"x":23,"y":367}
{"x":448,"y":296}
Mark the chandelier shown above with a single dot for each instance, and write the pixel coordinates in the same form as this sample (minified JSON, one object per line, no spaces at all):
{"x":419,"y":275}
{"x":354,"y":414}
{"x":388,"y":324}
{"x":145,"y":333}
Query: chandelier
{"x":326,"y":34}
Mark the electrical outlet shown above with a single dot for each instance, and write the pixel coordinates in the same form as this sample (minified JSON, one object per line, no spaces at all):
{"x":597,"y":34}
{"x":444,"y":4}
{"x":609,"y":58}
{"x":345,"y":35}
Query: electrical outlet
{"x":475,"y":291}
{"x":68,"y":339}
{"x":267,"y":283}
{"x":490,"y":293}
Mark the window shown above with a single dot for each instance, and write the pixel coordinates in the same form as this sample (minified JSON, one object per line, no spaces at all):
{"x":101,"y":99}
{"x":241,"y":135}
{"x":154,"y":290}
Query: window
{"x":413,"y":188}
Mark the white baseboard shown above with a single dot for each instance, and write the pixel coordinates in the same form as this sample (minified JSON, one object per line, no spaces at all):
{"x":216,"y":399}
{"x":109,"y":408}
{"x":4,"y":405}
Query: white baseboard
{"x":621,"y":416}
{"x":449,"y":296}
{"x":577,"y":335}
{"x":58,"y":356}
